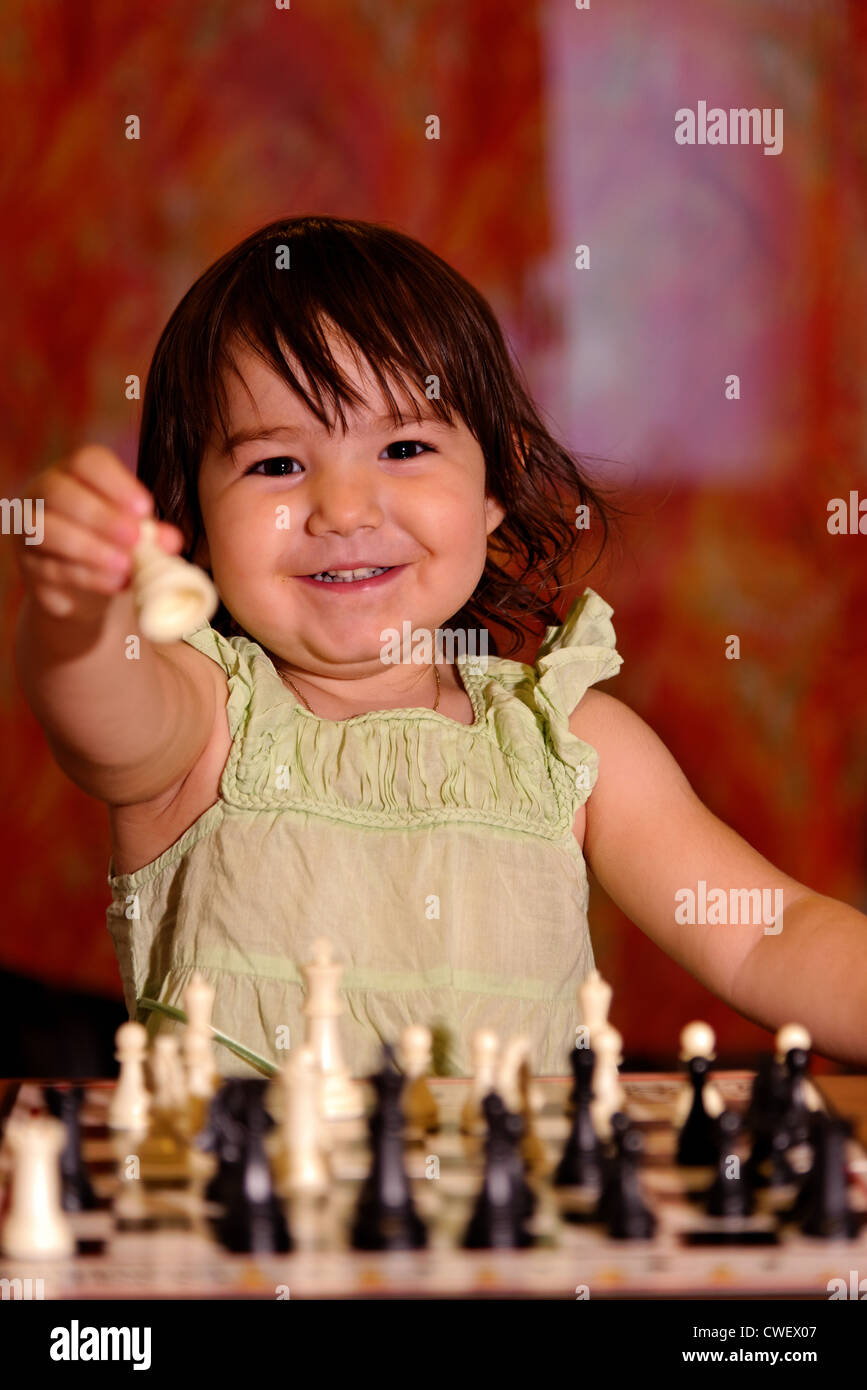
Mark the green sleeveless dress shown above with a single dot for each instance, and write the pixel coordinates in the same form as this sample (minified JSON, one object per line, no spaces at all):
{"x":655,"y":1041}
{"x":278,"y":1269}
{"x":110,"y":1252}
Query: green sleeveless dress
{"x":437,"y":857}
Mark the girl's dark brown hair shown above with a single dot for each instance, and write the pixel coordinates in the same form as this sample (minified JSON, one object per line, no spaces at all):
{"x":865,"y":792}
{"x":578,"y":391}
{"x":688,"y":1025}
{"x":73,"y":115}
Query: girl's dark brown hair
{"x":412,"y":317}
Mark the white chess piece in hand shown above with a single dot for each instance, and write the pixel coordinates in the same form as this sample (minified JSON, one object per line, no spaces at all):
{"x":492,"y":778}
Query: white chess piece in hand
{"x":173,"y":596}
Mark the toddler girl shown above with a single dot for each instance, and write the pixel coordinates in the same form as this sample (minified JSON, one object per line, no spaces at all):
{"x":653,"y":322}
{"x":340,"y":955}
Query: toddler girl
{"x":333,"y":428}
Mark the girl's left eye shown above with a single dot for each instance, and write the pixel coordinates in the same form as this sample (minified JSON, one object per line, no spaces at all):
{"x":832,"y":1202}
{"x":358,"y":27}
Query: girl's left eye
{"x":263,"y":463}
{"x":405,"y":444}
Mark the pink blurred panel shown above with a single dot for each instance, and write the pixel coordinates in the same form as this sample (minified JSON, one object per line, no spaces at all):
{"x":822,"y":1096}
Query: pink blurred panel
{"x":698,"y":254}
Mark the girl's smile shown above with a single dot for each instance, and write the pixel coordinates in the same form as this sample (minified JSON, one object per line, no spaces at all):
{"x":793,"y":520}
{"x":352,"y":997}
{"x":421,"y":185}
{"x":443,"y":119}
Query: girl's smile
{"x":353,"y":586}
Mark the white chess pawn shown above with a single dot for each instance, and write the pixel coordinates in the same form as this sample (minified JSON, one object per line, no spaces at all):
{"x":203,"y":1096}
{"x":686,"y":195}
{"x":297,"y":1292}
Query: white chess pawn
{"x":608,"y":1094}
{"x":594,"y":999}
{"x":342,"y":1098}
{"x":130,"y":1103}
{"x":306,"y":1167}
{"x":197,"y":1045}
{"x":36,"y":1224}
{"x":164,"y":1153}
{"x":521,"y":1096}
{"x":197,"y":1050}
{"x":484,"y":1046}
{"x":414,"y":1052}
{"x":173,"y":597}
{"x":796,"y":1035}
{"x":516,"y":1054}
{"x":789,"y":1036}
{"x":697,"y":1039}
{"x":167,"y":1074}
{"x":414,"y":1057}
{"x":513,"y":1054}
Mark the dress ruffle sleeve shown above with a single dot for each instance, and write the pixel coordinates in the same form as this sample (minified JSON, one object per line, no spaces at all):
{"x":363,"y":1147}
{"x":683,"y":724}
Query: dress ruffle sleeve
{"x":236,"y":659}
{"x":572,"y":657}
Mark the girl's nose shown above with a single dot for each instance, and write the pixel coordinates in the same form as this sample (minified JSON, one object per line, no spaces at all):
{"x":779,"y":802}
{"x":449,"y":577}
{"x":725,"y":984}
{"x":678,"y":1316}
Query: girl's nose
{"x":344,"y":505}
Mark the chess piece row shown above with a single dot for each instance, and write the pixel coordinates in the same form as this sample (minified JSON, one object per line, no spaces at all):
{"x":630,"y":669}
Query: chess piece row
{"x":785,"y":1113}
{"x":315,"y":1085}
{"x":385,"y":1216}
{"x":160,"y":1103}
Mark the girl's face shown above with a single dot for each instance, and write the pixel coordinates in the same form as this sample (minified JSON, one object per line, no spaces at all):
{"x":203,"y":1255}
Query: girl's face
{"x":411,"y":496}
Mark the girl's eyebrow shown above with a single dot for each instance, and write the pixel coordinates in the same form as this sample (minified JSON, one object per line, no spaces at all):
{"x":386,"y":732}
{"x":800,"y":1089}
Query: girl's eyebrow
{"x":377,"y":425}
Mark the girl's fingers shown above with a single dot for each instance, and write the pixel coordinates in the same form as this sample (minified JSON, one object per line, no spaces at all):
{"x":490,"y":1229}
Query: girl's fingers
{"x":67,"y":496}
{"x":92,"y":509}
{"x":106,"y":474}
{"x":67,"y":574}
{"x":68,"y":539}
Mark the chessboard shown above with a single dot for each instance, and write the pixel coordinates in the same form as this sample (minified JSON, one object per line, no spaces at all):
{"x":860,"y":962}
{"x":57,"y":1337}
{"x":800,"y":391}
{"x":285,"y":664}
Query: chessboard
{"x":162,"y":1246}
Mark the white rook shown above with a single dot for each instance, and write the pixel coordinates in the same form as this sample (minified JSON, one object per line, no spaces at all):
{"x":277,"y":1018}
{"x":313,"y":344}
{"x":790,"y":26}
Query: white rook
{"x":36,"y":1225}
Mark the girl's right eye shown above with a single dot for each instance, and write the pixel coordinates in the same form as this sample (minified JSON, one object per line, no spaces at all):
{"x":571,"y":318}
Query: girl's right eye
{"x":263,"y":463}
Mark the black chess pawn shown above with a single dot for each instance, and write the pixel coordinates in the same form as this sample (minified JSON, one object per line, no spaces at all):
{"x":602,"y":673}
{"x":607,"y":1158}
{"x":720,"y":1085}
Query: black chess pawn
{"x":806,"y":1182}
{"x":385,"y":1216}
{"x":764,"y":1092}
{"x":779,"y":1171}
{"x":730,"y":1193}
{"x":505,"y":1202}
{"x":620,"y":1122}
{"x":513,"y":1128}
{"x":621,"y":1205}
{"x":223,"y":1135}
{"x":798,"y":1113}
{"x":696,"y":1146}
{"x":253,"y":1219}
{"x":581,"y":1163}
{"x":524,"y":1196}
{"x":774,"y":1126}
{"x":827,"y":1214}
{"x":76,"y":1190}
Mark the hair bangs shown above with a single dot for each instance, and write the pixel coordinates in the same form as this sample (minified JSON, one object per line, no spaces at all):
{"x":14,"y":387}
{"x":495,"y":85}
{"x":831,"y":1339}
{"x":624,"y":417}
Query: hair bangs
{"x":384,"y":322}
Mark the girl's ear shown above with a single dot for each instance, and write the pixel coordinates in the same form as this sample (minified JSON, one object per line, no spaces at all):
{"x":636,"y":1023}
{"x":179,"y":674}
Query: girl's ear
{"x":494,"y":512}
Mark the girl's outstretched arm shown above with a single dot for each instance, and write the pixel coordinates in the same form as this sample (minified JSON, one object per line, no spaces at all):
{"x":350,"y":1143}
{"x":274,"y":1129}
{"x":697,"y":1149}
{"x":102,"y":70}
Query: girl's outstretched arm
{"x":771,"y":947}
{"x":126,"y":720}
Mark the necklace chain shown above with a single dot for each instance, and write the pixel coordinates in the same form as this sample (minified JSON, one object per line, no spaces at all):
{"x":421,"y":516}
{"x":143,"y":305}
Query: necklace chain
{"x":306,"y":706}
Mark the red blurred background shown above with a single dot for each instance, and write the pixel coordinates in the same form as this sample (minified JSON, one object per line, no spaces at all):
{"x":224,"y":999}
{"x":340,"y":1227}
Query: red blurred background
{"x":556,"y":129}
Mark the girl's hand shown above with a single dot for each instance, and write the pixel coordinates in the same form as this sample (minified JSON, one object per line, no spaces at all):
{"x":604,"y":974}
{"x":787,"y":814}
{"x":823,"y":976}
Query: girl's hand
{"x":92,"y":509}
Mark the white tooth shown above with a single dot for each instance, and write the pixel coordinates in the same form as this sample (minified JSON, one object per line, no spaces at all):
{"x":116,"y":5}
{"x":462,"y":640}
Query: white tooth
{"x":344,"y":575}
